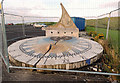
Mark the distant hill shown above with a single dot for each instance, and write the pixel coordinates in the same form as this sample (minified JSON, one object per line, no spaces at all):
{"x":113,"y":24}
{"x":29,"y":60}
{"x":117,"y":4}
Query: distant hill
{"x":102,"y":22}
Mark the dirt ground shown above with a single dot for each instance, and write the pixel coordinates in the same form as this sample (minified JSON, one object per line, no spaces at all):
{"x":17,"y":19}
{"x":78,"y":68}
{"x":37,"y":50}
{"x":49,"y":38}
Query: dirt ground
{"x":24,"y":76}
{"x":27,"y":76}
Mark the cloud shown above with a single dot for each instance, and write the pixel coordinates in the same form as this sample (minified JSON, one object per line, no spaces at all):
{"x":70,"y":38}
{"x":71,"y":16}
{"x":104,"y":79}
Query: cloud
{"x":51,"y":8}
{"x":109,"y":5}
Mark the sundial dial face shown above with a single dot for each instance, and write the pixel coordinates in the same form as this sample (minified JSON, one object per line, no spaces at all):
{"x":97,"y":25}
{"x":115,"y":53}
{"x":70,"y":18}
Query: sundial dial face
{"x":54,"y":50}
{"x":28,"y":47}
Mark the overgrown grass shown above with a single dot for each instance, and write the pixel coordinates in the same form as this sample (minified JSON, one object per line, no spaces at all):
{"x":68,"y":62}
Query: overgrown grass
{"x":112,"y":37}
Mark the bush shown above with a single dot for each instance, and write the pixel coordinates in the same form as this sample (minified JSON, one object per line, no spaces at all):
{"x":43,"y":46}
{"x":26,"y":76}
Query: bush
{"x":92,"y":33}
{"x":95,"y":36}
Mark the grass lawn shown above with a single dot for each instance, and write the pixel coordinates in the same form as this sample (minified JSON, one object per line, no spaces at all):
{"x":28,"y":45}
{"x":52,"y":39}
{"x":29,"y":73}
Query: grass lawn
{"x":113,"y":35}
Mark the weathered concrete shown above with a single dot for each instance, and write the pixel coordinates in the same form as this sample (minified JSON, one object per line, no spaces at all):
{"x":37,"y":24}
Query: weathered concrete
{"x":66,"y":54}
{"x":65,"y":27}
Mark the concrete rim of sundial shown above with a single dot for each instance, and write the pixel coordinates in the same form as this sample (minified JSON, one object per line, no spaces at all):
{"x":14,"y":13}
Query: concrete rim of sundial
{"x":79,"y":53}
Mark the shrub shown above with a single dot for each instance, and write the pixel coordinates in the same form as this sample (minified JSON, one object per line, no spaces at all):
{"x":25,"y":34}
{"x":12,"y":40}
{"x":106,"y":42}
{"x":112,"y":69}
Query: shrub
{"x":92,"y":33}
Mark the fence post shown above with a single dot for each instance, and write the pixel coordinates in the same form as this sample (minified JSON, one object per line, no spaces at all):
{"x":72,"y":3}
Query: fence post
{"x":4,"y":35}
{"x":23,"y":26}
{"x":108,"y":26}
{"x":96,"y":23}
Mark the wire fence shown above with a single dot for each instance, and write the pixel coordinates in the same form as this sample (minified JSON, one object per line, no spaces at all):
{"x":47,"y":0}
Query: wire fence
{"x":107,"y":27}
{"x":0,"y":36}
{"x":18,"y":27}
{"x":106,"y":24}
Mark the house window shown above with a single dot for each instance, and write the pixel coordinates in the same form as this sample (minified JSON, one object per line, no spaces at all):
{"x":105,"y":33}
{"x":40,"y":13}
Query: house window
{"x":71,"y":32}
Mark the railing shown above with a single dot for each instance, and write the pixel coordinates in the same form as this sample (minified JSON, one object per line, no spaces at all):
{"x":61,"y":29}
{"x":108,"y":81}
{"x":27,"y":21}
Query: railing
{"x":101,"y":24}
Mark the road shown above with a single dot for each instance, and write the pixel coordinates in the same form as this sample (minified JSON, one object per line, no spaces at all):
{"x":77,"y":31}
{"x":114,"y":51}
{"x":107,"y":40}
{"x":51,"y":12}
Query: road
{"x":14,"y":31}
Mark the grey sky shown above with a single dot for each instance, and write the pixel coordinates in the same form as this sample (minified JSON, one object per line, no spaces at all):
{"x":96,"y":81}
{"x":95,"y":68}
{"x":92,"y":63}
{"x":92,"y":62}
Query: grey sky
{"x":52,"y":7}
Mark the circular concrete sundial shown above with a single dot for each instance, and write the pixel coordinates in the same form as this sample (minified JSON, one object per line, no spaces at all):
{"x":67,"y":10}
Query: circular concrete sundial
{"x":55,"y":52}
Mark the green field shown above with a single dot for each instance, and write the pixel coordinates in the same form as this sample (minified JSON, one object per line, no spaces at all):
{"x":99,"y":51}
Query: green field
{"x":46,"y":23}
{"x":113,"y":35}
{"x":113,"y":39}
{"x":102,"y":22}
